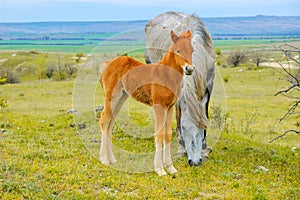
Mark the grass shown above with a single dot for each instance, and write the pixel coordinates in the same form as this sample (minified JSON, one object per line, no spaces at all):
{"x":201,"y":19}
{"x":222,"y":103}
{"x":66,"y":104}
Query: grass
{"x":46,"y":155}
{"x":250,"y":93}
{"x":234,"y":44}
{"x":43,"y":161}
{"x":69,"y":46}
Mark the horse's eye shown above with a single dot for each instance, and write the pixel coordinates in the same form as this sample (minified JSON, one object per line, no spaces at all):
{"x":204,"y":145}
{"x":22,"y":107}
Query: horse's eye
{"x":178,"y":51}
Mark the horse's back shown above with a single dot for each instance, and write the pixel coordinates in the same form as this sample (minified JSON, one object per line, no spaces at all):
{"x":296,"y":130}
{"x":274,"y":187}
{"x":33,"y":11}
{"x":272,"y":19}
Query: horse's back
{"x":157,"y":42}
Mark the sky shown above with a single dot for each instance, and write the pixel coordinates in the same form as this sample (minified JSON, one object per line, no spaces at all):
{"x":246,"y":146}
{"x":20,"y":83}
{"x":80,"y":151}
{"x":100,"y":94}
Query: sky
{"x":119,"y":10}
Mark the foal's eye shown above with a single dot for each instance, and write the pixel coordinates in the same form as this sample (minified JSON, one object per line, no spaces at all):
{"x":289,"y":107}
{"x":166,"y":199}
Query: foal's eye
{"x":178,"y":51}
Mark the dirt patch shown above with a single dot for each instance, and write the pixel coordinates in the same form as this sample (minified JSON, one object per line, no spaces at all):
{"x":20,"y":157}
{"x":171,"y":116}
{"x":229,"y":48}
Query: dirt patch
{"x":277,"y":65}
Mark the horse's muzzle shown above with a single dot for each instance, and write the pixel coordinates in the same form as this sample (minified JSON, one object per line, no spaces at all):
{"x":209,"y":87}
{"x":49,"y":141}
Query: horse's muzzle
{"x":188,"y":70}
{"x":192,"y":163}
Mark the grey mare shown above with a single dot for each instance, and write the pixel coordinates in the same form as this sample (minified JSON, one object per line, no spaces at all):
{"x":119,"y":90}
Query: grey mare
{"x":192,"y":106}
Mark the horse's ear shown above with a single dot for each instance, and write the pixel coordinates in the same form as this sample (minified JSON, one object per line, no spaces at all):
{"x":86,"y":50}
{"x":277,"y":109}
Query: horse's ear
{"x":174,"y":37}
{"x":188,"y":34}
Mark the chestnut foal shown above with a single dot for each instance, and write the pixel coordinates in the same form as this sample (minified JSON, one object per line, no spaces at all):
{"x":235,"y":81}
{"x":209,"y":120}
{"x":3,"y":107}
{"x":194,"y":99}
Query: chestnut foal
{"x":157,"y":85}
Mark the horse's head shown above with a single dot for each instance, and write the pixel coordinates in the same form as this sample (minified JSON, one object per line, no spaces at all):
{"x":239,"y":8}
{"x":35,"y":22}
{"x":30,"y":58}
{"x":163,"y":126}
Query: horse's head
{"x":193,"y":137}
{"x":193,"y":122}
{"x":183,"y":50}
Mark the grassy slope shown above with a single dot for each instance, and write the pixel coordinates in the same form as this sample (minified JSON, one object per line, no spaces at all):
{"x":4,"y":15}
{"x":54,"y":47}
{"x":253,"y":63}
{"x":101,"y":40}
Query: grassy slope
{"x":251,"y":101}
{"x":45,"y":159}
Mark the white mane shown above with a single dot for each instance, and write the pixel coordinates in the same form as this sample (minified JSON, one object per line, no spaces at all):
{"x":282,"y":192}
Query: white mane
{"x":201,"y":81}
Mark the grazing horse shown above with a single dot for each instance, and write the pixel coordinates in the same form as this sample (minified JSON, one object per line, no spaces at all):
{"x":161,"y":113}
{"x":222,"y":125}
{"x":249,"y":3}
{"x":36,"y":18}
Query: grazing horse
{"x":192,"y":106}
{"x":157,"y":85}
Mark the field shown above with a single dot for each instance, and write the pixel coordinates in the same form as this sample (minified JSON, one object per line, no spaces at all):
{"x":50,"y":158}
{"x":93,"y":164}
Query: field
{"x":51,"y":152}
{"x":120,"y":46}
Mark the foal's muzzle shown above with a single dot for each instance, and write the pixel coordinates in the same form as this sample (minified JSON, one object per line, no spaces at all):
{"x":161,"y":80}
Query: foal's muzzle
{"x":188,"y":70}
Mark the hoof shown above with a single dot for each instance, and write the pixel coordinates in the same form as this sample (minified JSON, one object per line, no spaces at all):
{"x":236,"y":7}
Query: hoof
{"x":171,"y":169}
{"x":113,"y":161}
{"x":160,"y":172}
{"x":108,"y":161}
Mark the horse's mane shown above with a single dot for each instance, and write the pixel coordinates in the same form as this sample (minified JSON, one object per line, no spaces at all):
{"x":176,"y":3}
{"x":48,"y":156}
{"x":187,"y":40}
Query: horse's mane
{"x":201,"y":81}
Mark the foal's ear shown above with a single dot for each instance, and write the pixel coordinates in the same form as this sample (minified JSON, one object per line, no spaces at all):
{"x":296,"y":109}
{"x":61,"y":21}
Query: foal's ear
{"x":188,"y":34}
{"x":174,"y":37}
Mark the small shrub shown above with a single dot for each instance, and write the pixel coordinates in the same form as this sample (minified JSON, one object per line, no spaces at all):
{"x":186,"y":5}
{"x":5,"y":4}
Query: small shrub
{"x":71,"y":70}
{"x":8,"y":77}
{"x":41,"y":67}
{"x":3,"y":102}
{"x":218,"y":117}
{"x":59,"y":76}
{"x":12,"y":77}
{"x":50,"y":70}
{"x":226,"y":79}
{"x":218,"y":51}
{"x":79,"y":56}
{"x":236,"y":58}
{"x":3,"y":80}
{"x":33,"y":52}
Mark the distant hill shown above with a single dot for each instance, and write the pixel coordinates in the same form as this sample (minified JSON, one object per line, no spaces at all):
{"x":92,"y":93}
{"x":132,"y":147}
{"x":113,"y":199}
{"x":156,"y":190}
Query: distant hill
{"x":257,"y":25}
{"x":70,"y":27}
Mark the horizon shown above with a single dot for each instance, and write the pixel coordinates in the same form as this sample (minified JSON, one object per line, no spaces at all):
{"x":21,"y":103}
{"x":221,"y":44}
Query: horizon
{"x":142,"y":19}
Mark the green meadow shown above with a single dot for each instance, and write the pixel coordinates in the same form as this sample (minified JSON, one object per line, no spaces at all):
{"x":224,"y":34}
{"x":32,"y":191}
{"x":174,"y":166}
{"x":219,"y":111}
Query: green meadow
{"x":88,"y":44}
{"x":51,"y":152}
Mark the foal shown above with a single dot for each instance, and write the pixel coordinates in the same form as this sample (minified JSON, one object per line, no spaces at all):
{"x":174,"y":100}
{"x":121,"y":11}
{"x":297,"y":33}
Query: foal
{"x":157,"y":85}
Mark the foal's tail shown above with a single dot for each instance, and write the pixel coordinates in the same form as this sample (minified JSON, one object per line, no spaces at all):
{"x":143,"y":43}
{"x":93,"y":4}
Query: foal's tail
{"x":102,"y":68}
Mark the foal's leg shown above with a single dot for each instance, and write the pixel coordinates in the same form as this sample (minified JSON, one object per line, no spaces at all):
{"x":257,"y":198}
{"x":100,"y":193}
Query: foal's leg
{"x":160,"y":118}
{"x":106,"y":123}
{"x":112,"y":106}
{"x":167,"y":147}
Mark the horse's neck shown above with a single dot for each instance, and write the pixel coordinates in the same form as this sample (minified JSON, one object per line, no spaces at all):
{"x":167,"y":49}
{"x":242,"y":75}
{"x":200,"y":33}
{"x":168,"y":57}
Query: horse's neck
{"x":169,"y":60}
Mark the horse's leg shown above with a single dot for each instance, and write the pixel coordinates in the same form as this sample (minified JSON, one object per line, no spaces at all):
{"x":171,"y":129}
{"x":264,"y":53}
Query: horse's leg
{"x":181,"y":150}
{"x":160,"y":118}
{"x":111,"y":109}
{"x":167,"y":147}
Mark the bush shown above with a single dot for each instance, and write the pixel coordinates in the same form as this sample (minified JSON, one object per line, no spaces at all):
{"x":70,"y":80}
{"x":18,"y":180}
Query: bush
{"x":59,"y":76}
{"x":226,"y":79}
{"x":61,"y":72}
{"x":49,"y":71}
{"x":3,"y":102}
{"x":41,"y":67}
{"x":8,"y":76}
{"x":236,"y":58}
{"x":3,"y":80}
{"x":218,"y":51}
{"x":79,"y":56}
{"x":71,"y":70}
{"x":12,"y":77}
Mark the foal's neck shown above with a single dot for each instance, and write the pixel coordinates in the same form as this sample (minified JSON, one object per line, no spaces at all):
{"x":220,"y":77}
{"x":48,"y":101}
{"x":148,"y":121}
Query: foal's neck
{"x":169,"y":60}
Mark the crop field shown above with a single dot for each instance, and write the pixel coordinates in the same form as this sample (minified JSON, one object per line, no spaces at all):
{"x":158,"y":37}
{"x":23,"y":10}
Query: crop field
{"x":51,"y":151}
